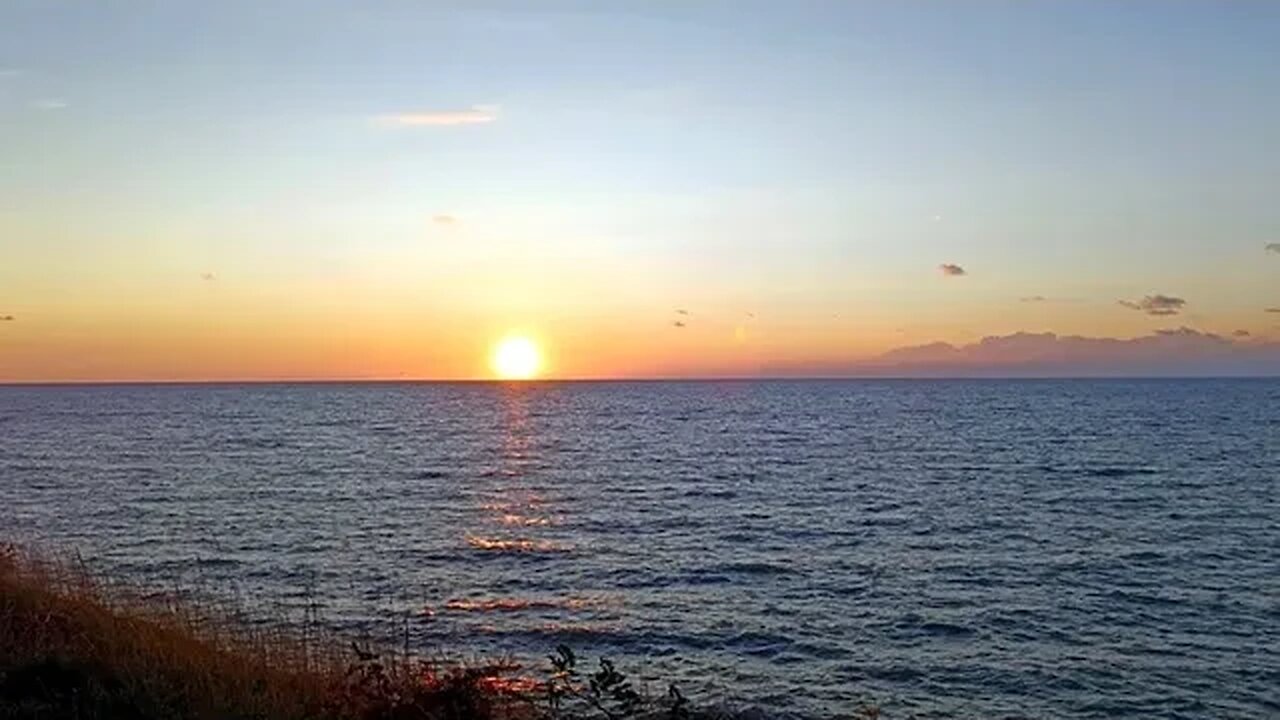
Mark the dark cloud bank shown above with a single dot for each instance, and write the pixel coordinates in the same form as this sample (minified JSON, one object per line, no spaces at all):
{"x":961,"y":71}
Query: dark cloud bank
{"x":1181,"y":352}
{"x":1157,"y":305}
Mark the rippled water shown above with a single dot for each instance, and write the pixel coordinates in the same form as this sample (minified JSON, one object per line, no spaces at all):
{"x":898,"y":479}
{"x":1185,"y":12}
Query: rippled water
{"x":985,"y":549}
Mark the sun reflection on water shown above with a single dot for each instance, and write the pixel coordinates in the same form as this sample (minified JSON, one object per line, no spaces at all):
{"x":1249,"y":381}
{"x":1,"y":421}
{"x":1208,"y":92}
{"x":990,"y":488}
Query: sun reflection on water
{"x":515,"y":516}
{"x":513,"y":501}
{"x":524,"y":545}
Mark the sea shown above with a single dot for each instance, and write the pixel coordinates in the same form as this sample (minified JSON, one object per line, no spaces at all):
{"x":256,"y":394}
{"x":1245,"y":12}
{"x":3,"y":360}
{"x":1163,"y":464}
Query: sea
{"x":940,"y":548}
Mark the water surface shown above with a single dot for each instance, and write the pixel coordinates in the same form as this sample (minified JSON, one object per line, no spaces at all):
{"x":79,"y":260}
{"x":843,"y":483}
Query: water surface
{"x":982,"y":549}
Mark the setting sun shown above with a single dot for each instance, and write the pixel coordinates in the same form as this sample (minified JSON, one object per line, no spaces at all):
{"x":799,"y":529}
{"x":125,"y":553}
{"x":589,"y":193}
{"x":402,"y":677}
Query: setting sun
{"x":516,"y":358}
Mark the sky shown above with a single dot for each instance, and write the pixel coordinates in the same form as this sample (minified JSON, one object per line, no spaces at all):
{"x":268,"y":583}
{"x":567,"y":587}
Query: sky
{"x":323,"y":190}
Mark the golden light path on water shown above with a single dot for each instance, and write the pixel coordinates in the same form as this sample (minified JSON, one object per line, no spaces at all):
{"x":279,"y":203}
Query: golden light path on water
{"x":515,"y":518}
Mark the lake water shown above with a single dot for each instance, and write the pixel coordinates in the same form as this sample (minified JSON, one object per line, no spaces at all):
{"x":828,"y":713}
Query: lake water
{"x":979,"y":549}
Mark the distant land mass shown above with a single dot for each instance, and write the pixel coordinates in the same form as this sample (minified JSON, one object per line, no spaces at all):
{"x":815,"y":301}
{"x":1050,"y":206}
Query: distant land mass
{"x":1177,"y":352}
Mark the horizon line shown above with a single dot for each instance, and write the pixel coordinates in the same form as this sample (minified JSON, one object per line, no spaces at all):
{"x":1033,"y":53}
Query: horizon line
{"x":615,"y":380}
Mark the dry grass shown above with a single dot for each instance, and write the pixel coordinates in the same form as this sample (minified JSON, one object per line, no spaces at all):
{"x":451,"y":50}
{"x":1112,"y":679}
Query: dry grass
{"x":72,"y":646}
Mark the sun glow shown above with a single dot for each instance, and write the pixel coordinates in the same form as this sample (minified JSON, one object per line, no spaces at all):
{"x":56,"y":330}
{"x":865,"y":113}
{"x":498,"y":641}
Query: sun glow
{"x":516,"y":358}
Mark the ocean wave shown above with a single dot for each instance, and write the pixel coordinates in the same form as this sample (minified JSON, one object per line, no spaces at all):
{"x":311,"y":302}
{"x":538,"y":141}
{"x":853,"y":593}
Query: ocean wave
{"x":515,"y":604}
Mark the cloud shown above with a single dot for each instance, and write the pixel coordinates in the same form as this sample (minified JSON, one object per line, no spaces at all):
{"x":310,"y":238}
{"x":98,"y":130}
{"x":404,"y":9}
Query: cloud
{"x":1046,"y":299}
{"x":208,"y":276}
{"x":1183,"y":351}
{"x":1273,"y":247}
{"x":1241,"y":334}
{"x":1156,"y":305}
{"x":49,"y":104}
{"x":682,"y":311}
{"x":475,"y":115}
{"x":952,"y":270}
{"x":7,"y":318}
{"x":444,"y":219}
{"x":679,"y":324}
{"x":1272,"y":310}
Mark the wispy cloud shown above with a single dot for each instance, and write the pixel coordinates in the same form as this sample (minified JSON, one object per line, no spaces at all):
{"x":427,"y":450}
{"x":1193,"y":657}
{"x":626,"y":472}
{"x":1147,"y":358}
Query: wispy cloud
{"x":1036,"y":299}
{"x":1272,"y":310}
{"x":444,"y":219}
{"x":952,"y":270}
{"x":681,"y":311}
{"x":474,"y":115}
{"x":7,"y":318}
{"x":1273,"y":247}
{"x":679,"y":324}
{"x":1242,"y":334}
{"x":208,"y":276}
{"x":49,"y":104}
{"x":1156,"y":305}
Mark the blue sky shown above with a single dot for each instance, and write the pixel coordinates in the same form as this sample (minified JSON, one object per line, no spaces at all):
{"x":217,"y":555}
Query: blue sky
{"x":812,"y":163}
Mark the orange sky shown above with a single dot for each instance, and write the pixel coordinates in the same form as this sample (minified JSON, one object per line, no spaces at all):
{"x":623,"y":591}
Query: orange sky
{"x":337,"y":198}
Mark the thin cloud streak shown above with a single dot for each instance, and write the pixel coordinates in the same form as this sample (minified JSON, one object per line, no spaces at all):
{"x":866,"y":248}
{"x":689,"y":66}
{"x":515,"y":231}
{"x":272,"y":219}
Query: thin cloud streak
{"x":1037,"y":299}
{"x":1273,"y":247}
{"x":475,"y":115}
{"x":952,"y":270}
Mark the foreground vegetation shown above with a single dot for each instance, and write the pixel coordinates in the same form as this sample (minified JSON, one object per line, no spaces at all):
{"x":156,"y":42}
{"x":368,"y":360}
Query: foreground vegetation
{"x":73,"y":646}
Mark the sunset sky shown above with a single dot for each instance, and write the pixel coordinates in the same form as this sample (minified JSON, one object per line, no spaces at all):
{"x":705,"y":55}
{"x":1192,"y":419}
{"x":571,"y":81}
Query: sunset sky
{"x":257,"y":190}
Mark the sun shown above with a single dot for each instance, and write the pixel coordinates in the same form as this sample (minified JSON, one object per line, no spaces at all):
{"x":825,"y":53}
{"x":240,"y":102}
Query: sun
{"x":516,"y":358}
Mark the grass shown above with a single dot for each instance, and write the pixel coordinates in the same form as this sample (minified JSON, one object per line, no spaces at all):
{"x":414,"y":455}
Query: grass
{"x":77,"y":647}
{"x":73,"y":646}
